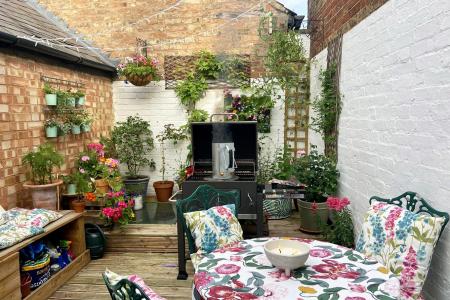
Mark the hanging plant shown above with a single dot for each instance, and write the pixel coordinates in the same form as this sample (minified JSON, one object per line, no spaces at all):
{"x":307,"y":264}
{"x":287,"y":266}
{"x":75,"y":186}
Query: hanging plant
{"x":207,"y":65}
{"x":191,"y":90}
{"x":139,"y":70}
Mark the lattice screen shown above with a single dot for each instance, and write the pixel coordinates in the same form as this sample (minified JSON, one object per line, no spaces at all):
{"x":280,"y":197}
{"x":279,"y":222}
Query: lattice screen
{"x":178,"y":67}
{"x":297,"y":114}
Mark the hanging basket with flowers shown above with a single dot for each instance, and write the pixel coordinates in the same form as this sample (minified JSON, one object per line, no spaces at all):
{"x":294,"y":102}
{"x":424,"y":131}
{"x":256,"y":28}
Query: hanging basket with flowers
{"x":139,"y":70}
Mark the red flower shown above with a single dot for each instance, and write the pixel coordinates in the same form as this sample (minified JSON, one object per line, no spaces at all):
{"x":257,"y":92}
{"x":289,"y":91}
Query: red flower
{"x":237,"y":284}
{"x":221,"y":292}
{"x":320,"y":253}
{"x":314,"y":206}
{"x":245,"y":296}
{"x":334,"y":270}
{"x":227,"y":269}
{"x":201,"y":279}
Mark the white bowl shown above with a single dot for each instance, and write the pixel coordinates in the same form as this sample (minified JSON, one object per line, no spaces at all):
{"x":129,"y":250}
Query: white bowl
{"x":287,"y":254}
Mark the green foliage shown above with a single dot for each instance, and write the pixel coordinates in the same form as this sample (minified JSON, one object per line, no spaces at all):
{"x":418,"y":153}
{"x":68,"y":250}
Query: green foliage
{"x":198,"y":115}
{"x":327,"y":109}
{"x":274,"y":165}
{"x":318,"y":172}
{"x":133,"y":141}
{"x":207,"y":65}
{"x":48,"y":89}
{"x":79,"y":94}
{"x":234,"y":71}
{"x":41,"y":162}
{"x":80,"y":180}
{"x":109,"y":146}
{"x":191,"y":90}
{"x":139,"y":66}
{"x":76,"y":118}
{"x":340,"y":232}
{"x":52,"y":122}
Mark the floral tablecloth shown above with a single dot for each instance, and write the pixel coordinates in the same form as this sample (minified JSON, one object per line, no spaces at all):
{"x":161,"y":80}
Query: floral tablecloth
{"x":242,"y":271}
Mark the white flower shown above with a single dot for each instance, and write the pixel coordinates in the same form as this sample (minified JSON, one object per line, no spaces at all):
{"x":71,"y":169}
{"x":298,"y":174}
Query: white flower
{"x":391,"y":287}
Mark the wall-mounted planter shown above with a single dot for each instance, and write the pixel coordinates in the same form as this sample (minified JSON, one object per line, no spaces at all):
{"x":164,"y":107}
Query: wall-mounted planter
{"x":51,"y":132}
{"x":71,"y":189}
{"x":85,"y":128}
{"x":81,"y":101}
{"x":51,"y":99}
{"x":76,"y":129}
{"x":71,"y":102}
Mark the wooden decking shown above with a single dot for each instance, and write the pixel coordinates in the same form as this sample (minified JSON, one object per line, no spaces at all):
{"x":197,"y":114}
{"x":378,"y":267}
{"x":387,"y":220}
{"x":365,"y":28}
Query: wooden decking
{"x":149,"y":251}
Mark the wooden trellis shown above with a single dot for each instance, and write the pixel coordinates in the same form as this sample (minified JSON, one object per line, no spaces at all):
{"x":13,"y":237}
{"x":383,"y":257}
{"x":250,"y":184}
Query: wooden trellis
{"x":297,"y":114}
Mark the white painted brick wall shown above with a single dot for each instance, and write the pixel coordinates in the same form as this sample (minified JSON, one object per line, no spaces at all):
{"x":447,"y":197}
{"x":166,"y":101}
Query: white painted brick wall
{"x":159,"y":106}
{"x":394,"y":127}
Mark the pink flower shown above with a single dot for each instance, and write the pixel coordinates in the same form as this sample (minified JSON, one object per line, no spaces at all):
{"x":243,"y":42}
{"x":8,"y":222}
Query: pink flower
{"x":274,"y":291}
{"x":221,"y":292}
{"x":279,"y":275}
{"x":201,"y":279}
{"x":232,"y":247}
{"x":237,"y":284}
{"x":320,"y":253}
{"x":82,"y":171}
{"x":235,"y":258}
{"x":392,"y":287}
{"x":407,"y":284}
{"x":358,"y":288}
{"x":337,"y":204}
{"x":227,"y":269}
{"x":394,"y":214}
{"x":122,"y":204}
{"x":334,"y":270}
{"x":85,"y":158}
{"x":223,"y":211}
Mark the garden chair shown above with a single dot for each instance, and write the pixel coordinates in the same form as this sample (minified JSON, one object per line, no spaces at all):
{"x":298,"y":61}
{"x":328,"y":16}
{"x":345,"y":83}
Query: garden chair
{"x":203,"y":198}
{"x":124,"y":290}
{"x":416,"y":204}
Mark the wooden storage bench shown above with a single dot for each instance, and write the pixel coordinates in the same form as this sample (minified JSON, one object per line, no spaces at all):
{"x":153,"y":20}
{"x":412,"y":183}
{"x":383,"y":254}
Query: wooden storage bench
{"x":69,"y":227}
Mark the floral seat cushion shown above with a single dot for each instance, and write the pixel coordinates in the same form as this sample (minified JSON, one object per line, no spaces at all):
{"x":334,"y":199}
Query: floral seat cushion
{"x":401,"y":240}
{"x":214,"y":228}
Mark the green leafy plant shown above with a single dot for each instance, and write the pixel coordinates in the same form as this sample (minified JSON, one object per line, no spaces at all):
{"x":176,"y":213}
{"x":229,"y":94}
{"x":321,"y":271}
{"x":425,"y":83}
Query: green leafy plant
{"x":64,"y":127}
{"x":76,"y":118}
{"x":140,"y":66}
{"x":191,"y":90}
{"x":133,"y":141}
{"x":42,"y":161}
{"x":207,"y":65}
{"x":198,"y":115}
{"x":275,"y":165}
{"x":86,"y":118}
{"x":340,"y":231}
{"x":318,"y":172}
{"x":80,"y":180}
{"x":48,"y":89}
{"x":79,"y":94}
{"x":169,"y":133}
{"x":52,"y":122}
{"x":327,"y":109}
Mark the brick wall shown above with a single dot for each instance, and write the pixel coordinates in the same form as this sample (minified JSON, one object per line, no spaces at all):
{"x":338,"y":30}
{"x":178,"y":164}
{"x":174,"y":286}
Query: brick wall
{"x":22,"y":116}
{"x":394,"y":127}
{"x":180,"y":31}
{"x":332,"y":17}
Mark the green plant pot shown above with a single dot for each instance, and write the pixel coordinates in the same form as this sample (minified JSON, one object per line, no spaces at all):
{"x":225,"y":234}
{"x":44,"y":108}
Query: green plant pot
{"x":71,"y":189}
{"x":311,"y":219}
{"x":51,"y":99}
{"x":81,"y":100}
{"x":85,"y":128}
{"x":71,"y":102}
{"x":51,"y":132}
{"x":76,"y":129}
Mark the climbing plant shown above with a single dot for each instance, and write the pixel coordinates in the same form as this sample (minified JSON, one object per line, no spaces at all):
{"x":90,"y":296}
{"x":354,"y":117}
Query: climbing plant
{"x":327,"y":108}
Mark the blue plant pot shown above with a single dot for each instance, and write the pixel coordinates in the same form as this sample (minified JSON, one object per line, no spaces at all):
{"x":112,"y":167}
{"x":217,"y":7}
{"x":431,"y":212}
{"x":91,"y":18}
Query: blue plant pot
{"x":51,"y":132}
{"x":71,"y":189}
{"x":51,"y":99}
{"x":81,"y":100}
{"x":85,"y":128}
{"x":76,"y":129}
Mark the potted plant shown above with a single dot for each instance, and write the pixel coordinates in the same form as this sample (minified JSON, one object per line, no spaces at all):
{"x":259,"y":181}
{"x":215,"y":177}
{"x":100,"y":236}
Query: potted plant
{"x":191,"y":90}
{"x":253,"y":108}
{"x":207,"y":65}
{"x":83,"y":187}
{"x":133,"y":141}
{"x":71,"y":186}
{"x":64,"y":127}
{"x":320,"y":176}
{"x":86,"y":122}
{"x":340,"y":231}
{"x":50,"y":95}
{"x":80,"y":98}
{"x":118,"y":209}
{"x":71,"y":98}
{"x":139,"y":70}
{"x":51,"y":128}
{"x":164,"y":188}
{"x":43,"y":185}
{"x":76,"y":120}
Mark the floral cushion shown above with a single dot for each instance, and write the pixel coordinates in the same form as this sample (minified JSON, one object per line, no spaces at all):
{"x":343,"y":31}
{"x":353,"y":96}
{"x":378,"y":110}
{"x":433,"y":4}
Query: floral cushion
{"x":114,"y":278}
{"x":401,"y":240}
{"x":4,"y":217}
{"x":214,"y":228}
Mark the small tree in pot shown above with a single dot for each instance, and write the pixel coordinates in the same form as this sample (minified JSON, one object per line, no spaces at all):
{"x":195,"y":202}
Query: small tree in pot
{"x":133,"y":141}
{"x":43,"y":186}
{"x":319,"y":174}
{"x":164,"y":188}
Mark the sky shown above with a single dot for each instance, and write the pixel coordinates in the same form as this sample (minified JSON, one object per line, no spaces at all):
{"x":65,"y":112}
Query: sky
{"x":299,"y":6}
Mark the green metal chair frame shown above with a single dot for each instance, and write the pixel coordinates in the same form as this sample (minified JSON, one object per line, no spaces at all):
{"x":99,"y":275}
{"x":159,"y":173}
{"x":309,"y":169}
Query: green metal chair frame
{"x":124,"y":290}
{"x":416,"y":204}
{"x":203,"y":198}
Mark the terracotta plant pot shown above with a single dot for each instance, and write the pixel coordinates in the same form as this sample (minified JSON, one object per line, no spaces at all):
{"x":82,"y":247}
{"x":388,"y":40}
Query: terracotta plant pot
{"x":312,"y":219}
{"x":25,"y":285}
{"x":78,"y":205}
{"x":44,"y":196}
{"x":101,"y":186}
{"x":163,"y":190}
{"x":139,"y":80}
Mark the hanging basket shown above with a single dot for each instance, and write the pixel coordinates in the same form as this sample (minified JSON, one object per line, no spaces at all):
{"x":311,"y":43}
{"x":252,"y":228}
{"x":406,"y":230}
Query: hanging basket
{"x":139,"y":80}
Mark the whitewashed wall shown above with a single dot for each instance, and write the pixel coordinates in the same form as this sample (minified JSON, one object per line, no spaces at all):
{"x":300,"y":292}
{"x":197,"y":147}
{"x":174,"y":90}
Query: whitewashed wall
{"x":395,"y":122}
{"x":159,"y":106}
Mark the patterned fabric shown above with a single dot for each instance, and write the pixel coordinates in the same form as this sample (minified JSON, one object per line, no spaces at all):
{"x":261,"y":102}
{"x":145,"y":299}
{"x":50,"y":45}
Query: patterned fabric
{"x":3,"y":217}
{"x":214,"y":228}
{"x":242,"y":271}
{"x":24,"y":223}
{"x":114,"y":279}
{"x":401,"y":240}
